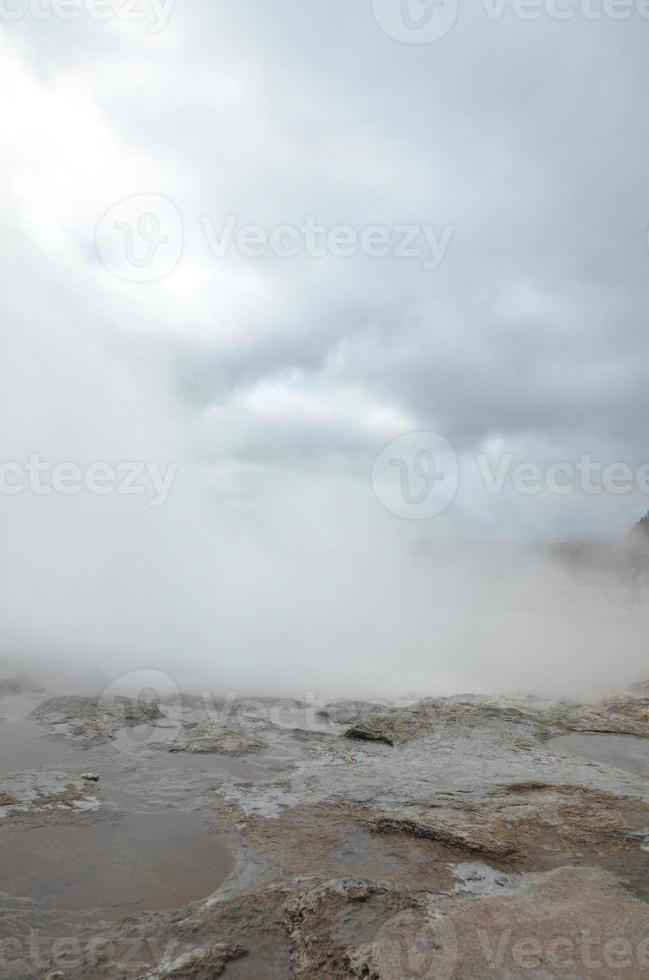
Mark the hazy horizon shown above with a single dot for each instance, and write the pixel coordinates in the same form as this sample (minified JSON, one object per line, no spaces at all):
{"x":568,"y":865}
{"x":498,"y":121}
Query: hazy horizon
{"x":295,"y":306}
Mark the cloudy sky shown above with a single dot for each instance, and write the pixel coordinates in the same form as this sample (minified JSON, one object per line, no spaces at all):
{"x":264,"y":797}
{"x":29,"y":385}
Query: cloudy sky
{"x":266,"y":240}
{"x":520,"y":143}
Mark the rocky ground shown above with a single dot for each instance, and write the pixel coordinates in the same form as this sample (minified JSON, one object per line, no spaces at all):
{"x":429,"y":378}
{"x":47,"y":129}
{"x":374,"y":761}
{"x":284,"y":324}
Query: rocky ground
{"x":448,"y":838}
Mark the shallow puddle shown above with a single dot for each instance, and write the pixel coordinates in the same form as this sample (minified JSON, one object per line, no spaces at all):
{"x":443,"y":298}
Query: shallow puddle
{"x":22,"y":746}
{"x":622,"y":751}
{"x":140,"y":862}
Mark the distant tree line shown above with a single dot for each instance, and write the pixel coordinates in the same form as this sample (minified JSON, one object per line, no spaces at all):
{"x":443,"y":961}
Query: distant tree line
{"x":608,"y":560}
{"x":642,"y":527}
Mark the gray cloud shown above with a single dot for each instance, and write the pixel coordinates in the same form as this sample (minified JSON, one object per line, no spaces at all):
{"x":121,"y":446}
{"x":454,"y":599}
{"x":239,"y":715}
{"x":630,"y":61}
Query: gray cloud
{"x":527,"y":137}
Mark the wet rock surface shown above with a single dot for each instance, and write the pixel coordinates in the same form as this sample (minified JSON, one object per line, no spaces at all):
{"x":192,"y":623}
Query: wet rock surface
{"x":90,"y":719}
{"x":452,"y":838}
{"x":32,"y":793}
{"x":212,"y":739}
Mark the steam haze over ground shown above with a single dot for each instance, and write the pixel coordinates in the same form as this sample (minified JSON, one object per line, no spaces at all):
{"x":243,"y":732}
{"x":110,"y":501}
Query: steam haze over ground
{"x":273,"y":383}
